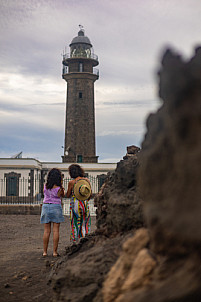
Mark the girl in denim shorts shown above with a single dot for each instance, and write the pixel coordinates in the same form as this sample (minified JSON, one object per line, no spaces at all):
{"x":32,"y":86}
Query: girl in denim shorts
{"x":52,"y":209}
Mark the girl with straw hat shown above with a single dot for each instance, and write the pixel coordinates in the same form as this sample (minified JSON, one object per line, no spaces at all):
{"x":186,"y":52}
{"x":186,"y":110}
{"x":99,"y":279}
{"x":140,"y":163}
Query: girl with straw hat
{"x":79,"y":189}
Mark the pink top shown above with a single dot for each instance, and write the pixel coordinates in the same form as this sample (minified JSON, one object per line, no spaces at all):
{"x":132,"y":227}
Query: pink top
{"x":50,"y":196}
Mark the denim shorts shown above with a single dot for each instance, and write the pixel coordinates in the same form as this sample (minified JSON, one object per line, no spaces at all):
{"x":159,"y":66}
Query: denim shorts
{"x":51,"y":213}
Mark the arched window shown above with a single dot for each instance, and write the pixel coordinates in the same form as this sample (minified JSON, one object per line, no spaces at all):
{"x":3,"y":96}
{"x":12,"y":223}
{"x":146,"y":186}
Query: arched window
{"x":12,"y":184}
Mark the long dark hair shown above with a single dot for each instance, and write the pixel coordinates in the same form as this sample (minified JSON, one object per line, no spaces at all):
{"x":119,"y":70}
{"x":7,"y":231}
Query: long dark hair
{"x":54,"y":177}
{"x":75,"y":170}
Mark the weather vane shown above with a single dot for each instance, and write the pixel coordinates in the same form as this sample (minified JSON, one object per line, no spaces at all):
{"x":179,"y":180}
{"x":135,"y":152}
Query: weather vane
{"x":81,"y":27}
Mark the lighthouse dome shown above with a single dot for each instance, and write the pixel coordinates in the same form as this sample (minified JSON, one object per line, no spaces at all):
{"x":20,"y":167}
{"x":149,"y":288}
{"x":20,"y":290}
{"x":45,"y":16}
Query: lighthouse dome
{"x":81,"y":39}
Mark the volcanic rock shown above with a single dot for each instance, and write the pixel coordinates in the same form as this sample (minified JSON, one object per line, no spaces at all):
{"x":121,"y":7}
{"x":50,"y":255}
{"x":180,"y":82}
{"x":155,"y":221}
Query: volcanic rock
{"x":119,"y":206}
{"x":168,"y":269}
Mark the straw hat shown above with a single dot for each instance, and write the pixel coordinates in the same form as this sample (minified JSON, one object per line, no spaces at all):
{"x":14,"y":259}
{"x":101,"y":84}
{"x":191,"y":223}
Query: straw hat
{"x":82,"y":189}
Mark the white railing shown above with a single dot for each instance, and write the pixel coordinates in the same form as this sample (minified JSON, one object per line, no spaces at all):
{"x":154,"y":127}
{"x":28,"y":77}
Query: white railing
{"x":80,"y":55}
{"x":65,"y":71}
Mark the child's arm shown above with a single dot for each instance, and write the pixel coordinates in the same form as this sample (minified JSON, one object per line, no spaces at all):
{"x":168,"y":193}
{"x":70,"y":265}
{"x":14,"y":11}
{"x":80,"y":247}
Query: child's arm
{"x":61,"y":192}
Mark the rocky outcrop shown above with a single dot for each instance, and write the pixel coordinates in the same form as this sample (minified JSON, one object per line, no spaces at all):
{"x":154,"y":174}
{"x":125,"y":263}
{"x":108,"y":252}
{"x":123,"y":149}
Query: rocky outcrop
{"x":167,"y":264}
{"x":132,"y":151}
{"x":80,"y":274}
{"x":132,"y":268}
{"x":171,"y":152}
{"x":119,"y":206}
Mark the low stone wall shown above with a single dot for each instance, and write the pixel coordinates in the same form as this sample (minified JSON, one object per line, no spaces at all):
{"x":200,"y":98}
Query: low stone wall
{"x":20,"y":209}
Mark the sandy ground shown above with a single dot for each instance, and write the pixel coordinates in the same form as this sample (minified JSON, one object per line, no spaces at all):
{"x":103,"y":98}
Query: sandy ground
{"x":23,"y":271}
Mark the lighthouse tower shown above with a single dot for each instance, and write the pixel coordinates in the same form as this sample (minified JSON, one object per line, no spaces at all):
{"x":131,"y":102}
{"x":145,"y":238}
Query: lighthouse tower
{"x":80,"y":75}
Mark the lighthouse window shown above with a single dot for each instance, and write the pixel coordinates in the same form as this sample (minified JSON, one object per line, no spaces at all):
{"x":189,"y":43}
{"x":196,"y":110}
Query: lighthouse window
{"x":80,"y":67}
{"x":80,"y":95}
{"x":79,"y":158}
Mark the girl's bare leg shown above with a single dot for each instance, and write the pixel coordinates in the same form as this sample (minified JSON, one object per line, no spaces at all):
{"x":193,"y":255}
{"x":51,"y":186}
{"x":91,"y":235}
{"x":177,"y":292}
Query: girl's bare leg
{"x":46,"y":237}
{"x":55,"y":237}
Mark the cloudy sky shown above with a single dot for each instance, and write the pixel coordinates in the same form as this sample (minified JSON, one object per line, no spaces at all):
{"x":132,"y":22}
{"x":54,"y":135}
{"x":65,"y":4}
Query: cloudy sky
{"x":129,"y":37}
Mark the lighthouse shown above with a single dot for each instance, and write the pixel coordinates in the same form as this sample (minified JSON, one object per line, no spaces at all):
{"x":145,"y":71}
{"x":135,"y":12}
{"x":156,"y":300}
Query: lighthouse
{"x":80,"y":75}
